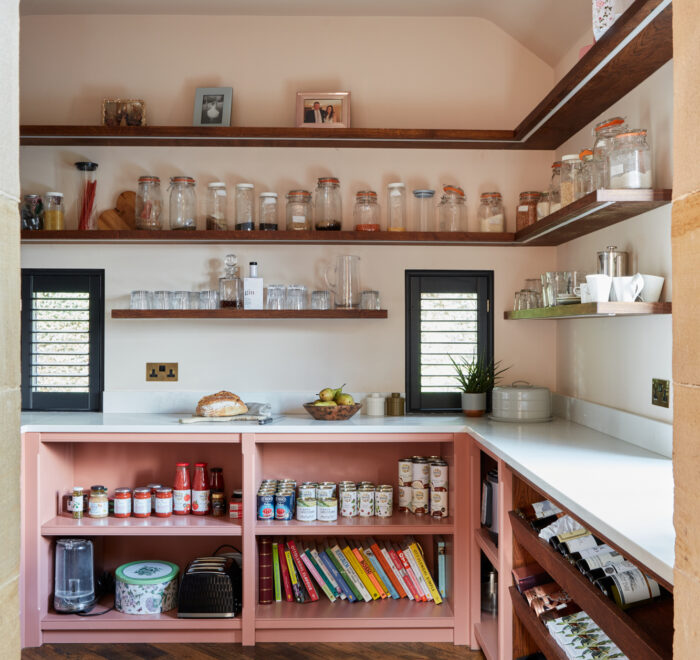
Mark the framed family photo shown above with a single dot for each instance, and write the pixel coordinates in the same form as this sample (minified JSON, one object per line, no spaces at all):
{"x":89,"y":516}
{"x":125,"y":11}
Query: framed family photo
{"x":123,"y":112}
{"x":323,"y":109}
{"x":212,"y":106}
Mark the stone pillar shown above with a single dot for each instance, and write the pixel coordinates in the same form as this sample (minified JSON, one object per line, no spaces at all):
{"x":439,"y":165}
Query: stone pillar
{"x":685,"y":233}
{"x":9,"y":328}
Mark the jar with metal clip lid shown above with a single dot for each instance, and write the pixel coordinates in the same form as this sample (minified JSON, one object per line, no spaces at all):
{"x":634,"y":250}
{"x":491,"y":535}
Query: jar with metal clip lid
{"x":491,"y":214}
{"x":366,"y":211}
{"x":630,"y":160}
{"x":183,"y":203}
{"x":452,"y":211}
{"x":299,"y":210}
{"x":555,"y":187}
{"x":148,"y":203}
{"x":604,"y":133}
{"x":328,"y":214}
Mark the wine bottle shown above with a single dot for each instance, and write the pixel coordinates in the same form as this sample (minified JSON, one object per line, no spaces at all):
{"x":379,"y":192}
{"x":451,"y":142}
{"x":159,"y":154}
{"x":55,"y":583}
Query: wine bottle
{"x":602,"y":549}
{"x":540,"y":514}
{"x":584,"y":542}
{"x":558,"y":539}
{"x":612,"y":568}
{"x":597,"y":560}
{"x":629,"y":588}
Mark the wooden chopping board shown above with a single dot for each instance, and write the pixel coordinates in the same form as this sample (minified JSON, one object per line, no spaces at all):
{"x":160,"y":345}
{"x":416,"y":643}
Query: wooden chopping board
{"x":122,"y":216}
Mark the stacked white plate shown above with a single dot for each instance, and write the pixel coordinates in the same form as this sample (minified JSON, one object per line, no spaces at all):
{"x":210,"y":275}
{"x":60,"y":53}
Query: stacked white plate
{"x":521,"y":402}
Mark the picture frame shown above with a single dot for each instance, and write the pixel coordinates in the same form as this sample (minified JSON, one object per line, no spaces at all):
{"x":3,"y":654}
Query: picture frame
{"x":335,"y":104}
{"x":212,"y":106}
{"x":123,"y":112}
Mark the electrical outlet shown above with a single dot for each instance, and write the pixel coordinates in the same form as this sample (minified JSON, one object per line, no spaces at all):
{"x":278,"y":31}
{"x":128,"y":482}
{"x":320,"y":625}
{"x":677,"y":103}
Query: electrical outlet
{"x":659,"y":392}
{"x":161,"y":371}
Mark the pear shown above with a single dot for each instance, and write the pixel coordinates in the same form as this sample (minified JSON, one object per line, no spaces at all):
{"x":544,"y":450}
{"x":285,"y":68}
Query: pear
{"x":343,"y":399}
{"x":326,"y":404}
{"x":326,"y":394}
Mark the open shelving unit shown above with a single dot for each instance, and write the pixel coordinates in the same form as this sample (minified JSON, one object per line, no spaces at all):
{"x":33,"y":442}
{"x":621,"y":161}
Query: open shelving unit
{"x":249,"y":314}
{"x":589,"y":310}
{"x":65,"y":525}
{"x":545,"y":642}
{"x":399,"y":523}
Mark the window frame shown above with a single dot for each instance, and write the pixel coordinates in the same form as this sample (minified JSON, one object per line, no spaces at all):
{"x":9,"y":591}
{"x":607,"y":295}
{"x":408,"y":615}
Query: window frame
{"x":448,"y":401}
{"x":91,"y":281}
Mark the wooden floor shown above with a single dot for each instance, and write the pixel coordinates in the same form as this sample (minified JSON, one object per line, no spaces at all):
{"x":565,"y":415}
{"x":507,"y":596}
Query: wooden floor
{"x":258,"y":652}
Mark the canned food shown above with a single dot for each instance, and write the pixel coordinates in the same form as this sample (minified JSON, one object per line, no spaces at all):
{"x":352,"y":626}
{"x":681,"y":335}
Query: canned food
{"x":421,"y":472}
{"x":432,"y":459}
{"x":365,"y":483}
{"x":266,"y":506}
{"x":327,"y":509}
{"x":420,"y":502}
{"x":405,"y":471}
{"x":438,"y":503}
{"x":405,"y":498}
{"x":306,"y":509}
{"x":307,"y":491}
{"x":348,"y":502}
{"x":438,"y":474}
{"x":384,"y":502}
{"x":284,"y":505}
{"x":365,"y":496}
{"x":325,"y":490}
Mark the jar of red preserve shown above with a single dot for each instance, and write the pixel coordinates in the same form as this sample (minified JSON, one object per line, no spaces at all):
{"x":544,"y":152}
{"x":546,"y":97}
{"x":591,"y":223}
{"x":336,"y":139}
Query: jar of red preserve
{"x":164,"y":502}
{"x":182,"y":490}
{"x":122,"y":503}
{"x":142,"y":503}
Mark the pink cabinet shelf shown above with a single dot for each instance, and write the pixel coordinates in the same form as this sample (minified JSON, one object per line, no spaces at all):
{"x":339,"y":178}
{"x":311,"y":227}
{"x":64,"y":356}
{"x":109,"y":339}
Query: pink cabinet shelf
{"x":486,"y":632}
{"x":152,"y":526}
{"x":400,"y":523}
{"x":487,"y":546}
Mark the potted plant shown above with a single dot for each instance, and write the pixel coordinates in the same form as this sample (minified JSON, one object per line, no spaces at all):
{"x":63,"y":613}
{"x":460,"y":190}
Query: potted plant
{"x":476,"y":378}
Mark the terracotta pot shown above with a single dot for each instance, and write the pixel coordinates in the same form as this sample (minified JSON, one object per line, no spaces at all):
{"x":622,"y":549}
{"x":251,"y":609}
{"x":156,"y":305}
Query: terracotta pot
{"x":473,"y":405}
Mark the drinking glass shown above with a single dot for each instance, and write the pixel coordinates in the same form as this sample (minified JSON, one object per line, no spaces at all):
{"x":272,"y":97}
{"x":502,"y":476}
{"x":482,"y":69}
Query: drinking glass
{"x":517,"y":301}
{"x":369,"y":300}
{"x":180,"y":299}
{"x":296,"y":297}
{"x":162,"y":300}
{"x":534,"y":284}
{"x":275,"y":296}
{"x":140,"y":300}
{"x":529,"y":299}
{"x":193,"y":298}
{"x":209,"y":299}
{"x":320,"y":300}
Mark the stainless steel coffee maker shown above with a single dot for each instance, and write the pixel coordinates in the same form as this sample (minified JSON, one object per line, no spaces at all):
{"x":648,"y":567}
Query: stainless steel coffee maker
{"x":612,"y":262}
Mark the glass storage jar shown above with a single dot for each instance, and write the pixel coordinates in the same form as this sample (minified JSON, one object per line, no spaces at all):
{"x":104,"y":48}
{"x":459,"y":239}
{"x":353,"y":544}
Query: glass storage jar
{"x":299,"y":210}
{"x":267,"y":212}
{"x":604,"y":133}
{"x":366,"y":211}
{"x":396,"y":207}
{"x":183,"y":203}
{"x":555,"y":187}
{"x":32,"y":213}
{"x":98,"y":505}
{"x":630,"y":160}
{"x":245,"y":199}
{"x":491,"y":215}
{"x":327,"y":204}
{"x":424,"y":210}
{"x":148,"y":203}
{"x":584,"y":183}
{"x":527,"y":209}
{"x":54,"y":219}
{"x":452,"y":211}
{"x":217,"y":200}
{"x":570,"y":165}
{"x":87,"y":189}
{"x":543,"y":205}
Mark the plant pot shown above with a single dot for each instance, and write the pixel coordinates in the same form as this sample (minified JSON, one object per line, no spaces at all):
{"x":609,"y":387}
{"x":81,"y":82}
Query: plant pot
{"x":473,"y":404}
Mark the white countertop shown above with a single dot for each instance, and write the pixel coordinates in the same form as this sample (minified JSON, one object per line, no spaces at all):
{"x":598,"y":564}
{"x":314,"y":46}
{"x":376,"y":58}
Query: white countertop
{"x":623,"y":491}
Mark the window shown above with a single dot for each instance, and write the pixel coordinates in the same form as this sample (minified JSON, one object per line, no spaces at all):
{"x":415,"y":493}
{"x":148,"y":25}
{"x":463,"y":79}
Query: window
{"x":62,"y":339}
{"x":448,"y":313}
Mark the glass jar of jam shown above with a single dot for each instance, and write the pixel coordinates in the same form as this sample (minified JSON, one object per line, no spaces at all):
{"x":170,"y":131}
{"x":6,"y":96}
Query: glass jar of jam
{"x":299,"y":210}
{"x":164,"y":502}
{"x":98,"y":506}
{"x":366,"y":211}
{"x":182,"y":491}
{"x":328,"y":214}
{"x":154,"y":488}
{"x":527,"y":209}
{"x":142,"y":503}
{"x":218,"y":505}
{"x":122,"y":503}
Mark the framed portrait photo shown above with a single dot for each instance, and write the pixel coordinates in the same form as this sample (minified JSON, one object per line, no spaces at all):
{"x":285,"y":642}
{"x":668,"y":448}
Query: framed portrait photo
{"x":123,"y":112}
{"x":323,"y":109}
{"x":212,"y":106}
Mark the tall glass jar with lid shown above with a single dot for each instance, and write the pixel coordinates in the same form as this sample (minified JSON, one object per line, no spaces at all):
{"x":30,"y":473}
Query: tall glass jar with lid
{"x":630,"y":160}
{"x":328,"y":213}
{"x":245,"y":201}
{"x":425,"y":210}
{"x":217,"y":201}
{"x":452,"y":210}
{"x":366,"y":212}
{"x":183,"y":203}
{"x":267,"y":212}
{"x":570,"y":167}
{"x":396,"y":207}
{"x":491,"y":214}
{"x":555,"y":187}
{"x":54,"y":219}
{"x":584,"y":183}
{"x":299,"y":210}
{"x":148,"y":203}
{"x":604,"y":133}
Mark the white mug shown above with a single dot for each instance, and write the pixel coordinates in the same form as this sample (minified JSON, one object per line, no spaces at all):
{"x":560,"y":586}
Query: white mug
{"x":652,"y":288}
{"x":583,"y":291}
{"x":627,"y":288}
{"x":599,"y":287}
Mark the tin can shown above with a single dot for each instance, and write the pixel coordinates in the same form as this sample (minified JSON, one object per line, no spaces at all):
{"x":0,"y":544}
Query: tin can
{"x":405,"y":471}
{"x":326,"y":490}
{"x":327,"y":509}
{"x":348,"y":502}
{"x":266,"y":506}
{"x":365,"y":497}
{"x":122,"y":502}
{"x":421,"y":472}
{"x":235,"y":505}
{"x":432,"y":459}
{"x":284,"y":505}
{"x":384,"y":501}
{"x":306,"y":509}
{"x":438,"y":474}
{"x":420,"y":502}
{"x":307,"y":491}
{"x":438,"y":503}
{"x":365,"y":483}
{"x":291,"y":483}
{"x":405,"y":498}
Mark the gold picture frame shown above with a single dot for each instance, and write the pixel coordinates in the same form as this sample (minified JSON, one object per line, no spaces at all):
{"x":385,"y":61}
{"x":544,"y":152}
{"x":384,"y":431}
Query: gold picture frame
{"x":123,"y":112}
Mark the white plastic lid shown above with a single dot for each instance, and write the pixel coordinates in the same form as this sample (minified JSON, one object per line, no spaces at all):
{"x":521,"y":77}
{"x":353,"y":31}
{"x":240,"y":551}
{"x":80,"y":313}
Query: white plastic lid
{"x":217,"y":184}
{"x":250,"y":185}
{"x":54,"y":194}
{"x":376,"y":395}
{"x":396,"y":185}
{"x":570,"y":157}
{"x":268,"y":194}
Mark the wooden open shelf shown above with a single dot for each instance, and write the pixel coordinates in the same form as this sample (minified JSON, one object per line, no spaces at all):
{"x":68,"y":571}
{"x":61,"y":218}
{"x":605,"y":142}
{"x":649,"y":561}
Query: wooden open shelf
{"x":66,"y":525}
{"x":644,"y":632}
{"x":596,"y":210}
{"x":249,"y":314}
{"x":487,"y":546}
{"x":400,"y":523}
{"x":589,"y":310}
{"x":486,"y":633}
{"x":539,"y":633}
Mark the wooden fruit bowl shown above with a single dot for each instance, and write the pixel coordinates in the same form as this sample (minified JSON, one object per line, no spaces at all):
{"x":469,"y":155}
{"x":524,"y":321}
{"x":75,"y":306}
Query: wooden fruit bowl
{"x":332,"y":413}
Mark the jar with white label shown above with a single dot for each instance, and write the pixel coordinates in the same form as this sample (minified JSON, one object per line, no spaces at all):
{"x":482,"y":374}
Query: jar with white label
{"x":299,"y":210}
{"x":122,"y":503}
{"x":98,"y":506}
{"x":142,"y":503}
{"x":491,"y":215}
{"x":630,"y":160}
{"x":570,"y":169}
{"x":164,"y":502}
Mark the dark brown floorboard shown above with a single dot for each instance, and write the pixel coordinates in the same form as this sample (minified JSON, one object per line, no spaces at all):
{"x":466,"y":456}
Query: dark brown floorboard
{"x":259,"y":652}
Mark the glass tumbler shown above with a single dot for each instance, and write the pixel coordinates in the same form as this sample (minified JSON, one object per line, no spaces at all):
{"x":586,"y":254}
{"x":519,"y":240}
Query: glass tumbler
{"x":296,"y":297}
{"x":162,"y":300}
{"x":209,"y":299}
{"x":181,"y":299}
{"x":320,"y":299}
{"x":193,"y":298}
{"x":369,"y":300}
{"x":140,"y":300}
{"x":275,"y":296}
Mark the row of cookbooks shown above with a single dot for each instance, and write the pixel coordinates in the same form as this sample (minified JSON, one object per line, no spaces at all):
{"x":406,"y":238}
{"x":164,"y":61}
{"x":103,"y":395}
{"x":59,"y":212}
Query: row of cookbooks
{"x":354,"y":570}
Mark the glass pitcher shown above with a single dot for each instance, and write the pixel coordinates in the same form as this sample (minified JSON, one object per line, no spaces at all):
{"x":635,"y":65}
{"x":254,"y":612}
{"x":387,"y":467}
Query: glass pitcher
{"x":345,"y":281}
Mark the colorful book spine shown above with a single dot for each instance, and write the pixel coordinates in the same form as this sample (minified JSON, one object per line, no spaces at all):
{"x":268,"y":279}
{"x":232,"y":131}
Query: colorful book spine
{"x":325,"y":573}
{"x":425,"y":573}
{"x":381,"y":574}
{"x":327,"y":561}
{"x":313,"y":572}
{"x":298,"y":595}
{"x":284,"y":569}
{"x":386,"y":567}
{"x":265,"y":589}
{"x":440,"y":568}
{"x":367,"y":568}
{"x":398,"y":570}
{"x":303,"y":573}
{"x":371,"y":589}
{"x":412,"y":580}
{"x":276,"y":573}
{"x":343,"y":565}
{"x":416,"y":571}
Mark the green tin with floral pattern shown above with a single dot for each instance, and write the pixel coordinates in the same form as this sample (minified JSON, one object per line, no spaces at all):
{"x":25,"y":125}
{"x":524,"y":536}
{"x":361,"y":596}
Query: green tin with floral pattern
{"x":146,"y":587}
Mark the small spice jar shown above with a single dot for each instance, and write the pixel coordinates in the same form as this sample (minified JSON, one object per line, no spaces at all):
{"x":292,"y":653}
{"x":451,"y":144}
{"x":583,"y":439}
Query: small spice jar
{"x":164,"y":502}
{"x":570,"y":167}
{"x":395,"y":405}
{"x":122,"y":503}
{"x":218,"y":505}
{"x":299,"y":210}
{"x":328,"y":215}
{"x":142,"y":503}
{"x":366,"y":211}
{"x":78,"y":502}
{"x":267,"y":212}
{"x":527,"y":209}
{"x":98,"y":506}
{"x":148,"y":203}
{"x":491,"y":215}
{"x":54,"y":219}
{"x":216,"y":206}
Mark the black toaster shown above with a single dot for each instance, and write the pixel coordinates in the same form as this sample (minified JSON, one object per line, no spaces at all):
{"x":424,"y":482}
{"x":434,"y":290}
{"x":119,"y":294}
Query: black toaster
{"x":211,"y":588}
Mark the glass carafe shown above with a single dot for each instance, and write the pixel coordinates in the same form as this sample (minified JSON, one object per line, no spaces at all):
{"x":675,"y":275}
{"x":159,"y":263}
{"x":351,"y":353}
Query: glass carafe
{"x":345,"y":281}
{"x":74,"y":587}
{"x":231,"y":285}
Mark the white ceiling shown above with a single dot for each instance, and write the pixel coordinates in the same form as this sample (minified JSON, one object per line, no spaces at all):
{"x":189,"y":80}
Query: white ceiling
{"x":546,"y":27}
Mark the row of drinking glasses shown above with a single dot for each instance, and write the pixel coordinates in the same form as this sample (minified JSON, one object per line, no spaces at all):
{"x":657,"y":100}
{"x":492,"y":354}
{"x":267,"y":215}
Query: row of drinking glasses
{"x":175,"y":299}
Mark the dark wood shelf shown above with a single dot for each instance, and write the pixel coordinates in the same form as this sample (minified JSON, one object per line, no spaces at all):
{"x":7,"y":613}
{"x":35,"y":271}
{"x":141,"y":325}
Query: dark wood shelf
{"x":589,"y":310}
{"x":628,"y":53}
{"x":249,"y":314}
{"x":596,"y":210}
{"x":539,"y":633}
{"x":643,"y":633}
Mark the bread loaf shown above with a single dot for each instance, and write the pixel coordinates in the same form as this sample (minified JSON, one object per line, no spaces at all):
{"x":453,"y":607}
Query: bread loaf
{"x":221,"y":404}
